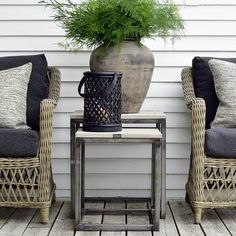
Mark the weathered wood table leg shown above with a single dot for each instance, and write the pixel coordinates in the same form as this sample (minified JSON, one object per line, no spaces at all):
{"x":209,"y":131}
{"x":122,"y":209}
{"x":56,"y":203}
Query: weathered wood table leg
{"x":163,"y":168}
{"x":72,"y":160}
{"x":157,"y":157}
{"x":74,"y":126}
{"x":77,"y":179}
{"x":82,"y":174}
{"x":153,"y":168}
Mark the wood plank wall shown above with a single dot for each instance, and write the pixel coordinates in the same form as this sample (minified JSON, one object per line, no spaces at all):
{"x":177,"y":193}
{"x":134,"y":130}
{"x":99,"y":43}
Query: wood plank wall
{"x":26,"y":28}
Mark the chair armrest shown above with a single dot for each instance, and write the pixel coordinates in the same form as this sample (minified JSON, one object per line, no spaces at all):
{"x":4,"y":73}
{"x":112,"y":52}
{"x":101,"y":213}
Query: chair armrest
{"x":54,"y":76}
{"x":45,"y":130}
{"x":198,"y":146}
{"x":45,"y":147}
{"x":198,"y":123}
{"x":187,"y":84}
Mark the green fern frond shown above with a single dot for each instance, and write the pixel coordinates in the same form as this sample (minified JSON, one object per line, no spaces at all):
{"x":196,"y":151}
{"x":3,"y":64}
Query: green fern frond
{"x":96,"y":22}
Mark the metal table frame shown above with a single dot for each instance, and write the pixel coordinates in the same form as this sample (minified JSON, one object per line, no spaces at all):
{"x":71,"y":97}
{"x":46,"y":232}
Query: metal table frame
{"x":79,"y":177}
{"x":144,"y":117}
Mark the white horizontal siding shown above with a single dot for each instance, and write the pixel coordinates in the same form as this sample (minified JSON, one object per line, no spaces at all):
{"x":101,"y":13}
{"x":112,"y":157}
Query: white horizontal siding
{"x":166,"y":74}
{"x":174,"y":151}
{"x":162,"y":58}
{"x":180,"y":120}
{"x":188,"y":43}
{"x":27,"y":28}
{"x":48,"y":28}
{"x":188,"y":12}
{"x":179,"y":2}
{"x":171,"y":193}
{"x":116,"y":166}
{"x":156,"y":89}
{"x":121,"y":181}
{"x":163,"y":104}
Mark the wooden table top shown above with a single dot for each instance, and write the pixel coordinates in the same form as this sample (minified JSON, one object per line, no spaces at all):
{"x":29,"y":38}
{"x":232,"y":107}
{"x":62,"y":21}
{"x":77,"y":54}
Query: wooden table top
{"x":142,"y":115}
{"x":131,"y":133}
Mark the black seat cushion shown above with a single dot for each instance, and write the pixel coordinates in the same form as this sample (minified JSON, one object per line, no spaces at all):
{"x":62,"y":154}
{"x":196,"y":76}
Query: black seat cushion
{"x":37,"y":84}
{"x":220,"y":142}
{"x":204,"y":85}
{"x":18,"y":143}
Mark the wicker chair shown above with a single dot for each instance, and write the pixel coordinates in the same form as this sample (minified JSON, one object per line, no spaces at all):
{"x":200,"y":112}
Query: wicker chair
{"x":28,"y":182}
{"x":211,"y":181}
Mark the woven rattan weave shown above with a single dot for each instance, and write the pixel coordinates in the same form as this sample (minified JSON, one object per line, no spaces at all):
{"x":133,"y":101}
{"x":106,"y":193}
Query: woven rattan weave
{"x":211,"y":181}
{"x":28,"y":182}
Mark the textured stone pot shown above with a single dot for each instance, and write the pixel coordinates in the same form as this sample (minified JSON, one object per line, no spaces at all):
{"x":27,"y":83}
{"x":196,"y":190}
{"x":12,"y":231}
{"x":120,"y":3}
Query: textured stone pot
{"x":136,"y":62}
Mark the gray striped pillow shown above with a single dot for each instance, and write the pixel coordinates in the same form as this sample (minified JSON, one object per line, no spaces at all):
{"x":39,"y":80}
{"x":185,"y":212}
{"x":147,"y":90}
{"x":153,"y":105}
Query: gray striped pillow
{"x":13,"y":94}
{"x":224,"y":76}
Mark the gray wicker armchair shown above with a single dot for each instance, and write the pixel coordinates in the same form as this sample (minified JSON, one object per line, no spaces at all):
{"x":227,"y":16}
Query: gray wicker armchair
{"x":28,"y":182}
{"x":211,"y":181}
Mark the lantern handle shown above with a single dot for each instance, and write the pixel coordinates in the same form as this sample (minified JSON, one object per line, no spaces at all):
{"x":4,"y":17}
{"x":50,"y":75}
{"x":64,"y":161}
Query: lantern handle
{"x":101,"y":93}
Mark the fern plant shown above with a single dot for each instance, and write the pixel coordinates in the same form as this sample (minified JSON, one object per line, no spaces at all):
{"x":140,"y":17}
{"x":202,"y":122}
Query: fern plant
{"x":109,"y":22}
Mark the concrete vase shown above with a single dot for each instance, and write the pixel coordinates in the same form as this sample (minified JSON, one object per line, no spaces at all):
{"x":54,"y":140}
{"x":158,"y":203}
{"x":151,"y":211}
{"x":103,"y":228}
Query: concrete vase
{"x":136,"y":62}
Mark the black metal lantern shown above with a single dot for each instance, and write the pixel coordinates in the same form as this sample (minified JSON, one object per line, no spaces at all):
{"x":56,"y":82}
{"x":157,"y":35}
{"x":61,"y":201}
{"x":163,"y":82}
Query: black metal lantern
{"x":102,"y":101}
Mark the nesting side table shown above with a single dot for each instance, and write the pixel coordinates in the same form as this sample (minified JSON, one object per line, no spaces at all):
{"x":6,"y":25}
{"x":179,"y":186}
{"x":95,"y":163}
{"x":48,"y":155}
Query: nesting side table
{"x":130,"y":135}
{"x":143,"y":119}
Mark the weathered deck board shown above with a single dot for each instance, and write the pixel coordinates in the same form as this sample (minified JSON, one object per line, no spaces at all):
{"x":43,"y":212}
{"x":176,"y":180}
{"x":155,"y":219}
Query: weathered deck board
{"x":138,"y":219}
{"x":184,"y":218}
{"x":212,"y":224}
{"x":35,"y":228}
{"x":92,"y":219}
{"x":167,"y":226}
{"x":87,"y":233}
{"x":178,"y":222}
{"x":5,"y":214}
{"x":228,"y":216}
{"x":114,"y":219}
{"x":109,"y":233}
{"x":95,"y":219}
{"x":64,"y":225}
{"x":18,"y":222}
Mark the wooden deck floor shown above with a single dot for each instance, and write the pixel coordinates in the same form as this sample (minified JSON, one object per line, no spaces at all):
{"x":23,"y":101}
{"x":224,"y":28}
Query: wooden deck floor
{"x":179,"y":222}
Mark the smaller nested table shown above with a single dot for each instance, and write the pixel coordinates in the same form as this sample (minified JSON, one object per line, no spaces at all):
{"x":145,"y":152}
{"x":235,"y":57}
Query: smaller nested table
{"x":129,"y":135}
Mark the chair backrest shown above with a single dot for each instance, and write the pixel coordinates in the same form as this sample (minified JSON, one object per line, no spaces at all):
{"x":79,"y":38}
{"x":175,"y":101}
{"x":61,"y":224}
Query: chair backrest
{"x":36,"y":86}
{"x":203,"y":84}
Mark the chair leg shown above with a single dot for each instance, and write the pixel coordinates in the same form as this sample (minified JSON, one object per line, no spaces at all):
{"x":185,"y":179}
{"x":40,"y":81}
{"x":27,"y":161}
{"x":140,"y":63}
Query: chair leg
{"x":197,"y":215}
{"x":54,"y":198}
{"x":187,"y":198}
{"x":44,"y":214}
